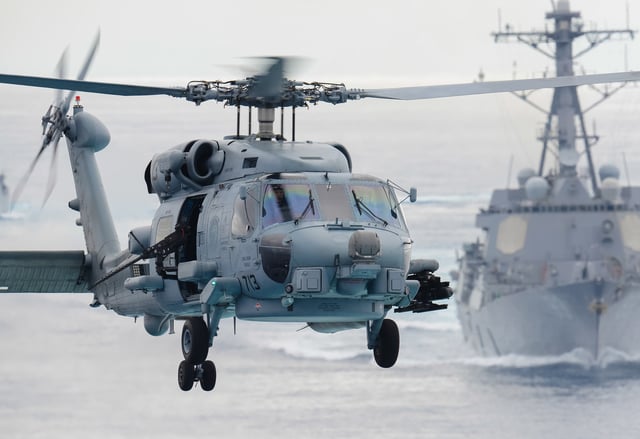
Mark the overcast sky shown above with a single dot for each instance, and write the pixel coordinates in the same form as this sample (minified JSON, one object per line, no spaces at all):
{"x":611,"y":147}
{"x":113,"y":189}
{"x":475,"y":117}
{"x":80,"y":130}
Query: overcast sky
{"x":363,"y":44}
{"x":396,"y":42}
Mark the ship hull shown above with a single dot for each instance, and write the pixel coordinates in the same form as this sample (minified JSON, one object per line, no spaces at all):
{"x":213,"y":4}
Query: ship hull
{"x":597,"y":317}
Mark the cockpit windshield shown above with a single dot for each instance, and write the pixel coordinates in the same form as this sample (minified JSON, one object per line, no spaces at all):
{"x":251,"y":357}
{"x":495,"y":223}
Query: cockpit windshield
{"x":362,"y":201}
{"x":287,"y":202}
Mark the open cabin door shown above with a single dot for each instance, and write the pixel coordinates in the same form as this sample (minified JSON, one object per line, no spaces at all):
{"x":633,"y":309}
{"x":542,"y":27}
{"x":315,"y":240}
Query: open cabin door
{"x":188,"y":218}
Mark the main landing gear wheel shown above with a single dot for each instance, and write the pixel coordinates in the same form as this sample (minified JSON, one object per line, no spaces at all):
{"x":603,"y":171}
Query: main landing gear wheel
{"x":189,"y":373}
{"x":388,"y":344}
{"x":186,"y":375}
{"x":195,"y":340}
{"x":195,"y":347}
{"x":208,"y":379}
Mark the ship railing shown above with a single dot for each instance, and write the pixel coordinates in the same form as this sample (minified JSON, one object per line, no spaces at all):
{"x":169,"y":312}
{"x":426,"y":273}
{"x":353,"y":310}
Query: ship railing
{"x":561,"y":208}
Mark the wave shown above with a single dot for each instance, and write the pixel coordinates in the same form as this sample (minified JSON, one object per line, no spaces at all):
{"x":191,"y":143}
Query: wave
{"x":429,"y":326}
{"x":19,"y":212}
{"x":351,"y":345}
{"x":577,"y":357}
{"x":312,"y":350}
{"x":12,"y":216}
{"x":323,"y":355}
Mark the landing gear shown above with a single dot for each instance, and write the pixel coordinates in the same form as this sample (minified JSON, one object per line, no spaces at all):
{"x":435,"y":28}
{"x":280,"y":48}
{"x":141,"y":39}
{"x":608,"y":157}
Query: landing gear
{"x":188,"y":374}
{"x":195,"y":340}
{"x":387,"y":342}
{"x":208,"y":378}
{"x":195,"y":348}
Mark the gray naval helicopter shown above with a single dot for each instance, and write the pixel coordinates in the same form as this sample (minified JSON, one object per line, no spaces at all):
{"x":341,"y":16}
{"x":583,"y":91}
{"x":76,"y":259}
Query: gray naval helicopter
{"x":558,"y":269}
{"x":251,"y":227}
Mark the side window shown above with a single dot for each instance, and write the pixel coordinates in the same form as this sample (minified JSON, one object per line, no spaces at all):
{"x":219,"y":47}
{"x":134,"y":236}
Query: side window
{"x":164,"y":227}
{"x":244,"y":220}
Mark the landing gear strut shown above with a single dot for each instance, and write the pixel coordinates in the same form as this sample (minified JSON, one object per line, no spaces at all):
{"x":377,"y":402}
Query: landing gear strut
{"x":195,"y":348}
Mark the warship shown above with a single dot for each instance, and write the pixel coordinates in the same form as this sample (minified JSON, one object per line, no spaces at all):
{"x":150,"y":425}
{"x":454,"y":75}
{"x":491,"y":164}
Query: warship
{"x":558,"y":267}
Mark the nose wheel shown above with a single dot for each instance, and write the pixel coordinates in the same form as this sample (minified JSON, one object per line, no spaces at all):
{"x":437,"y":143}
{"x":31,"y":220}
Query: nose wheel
{"x":195,"y":347}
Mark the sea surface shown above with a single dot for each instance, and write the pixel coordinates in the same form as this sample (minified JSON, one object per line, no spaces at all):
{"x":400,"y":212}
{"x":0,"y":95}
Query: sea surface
{"x":70,"y":371}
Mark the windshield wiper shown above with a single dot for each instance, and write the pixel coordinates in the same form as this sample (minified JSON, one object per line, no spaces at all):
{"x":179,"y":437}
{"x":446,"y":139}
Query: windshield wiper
{"x":306,"y":209}
{"x":361,"y":206}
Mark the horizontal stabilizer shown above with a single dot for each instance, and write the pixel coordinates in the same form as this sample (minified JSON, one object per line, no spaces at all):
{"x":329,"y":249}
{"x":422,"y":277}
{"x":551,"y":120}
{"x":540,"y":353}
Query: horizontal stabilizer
{"x":43,"y":272}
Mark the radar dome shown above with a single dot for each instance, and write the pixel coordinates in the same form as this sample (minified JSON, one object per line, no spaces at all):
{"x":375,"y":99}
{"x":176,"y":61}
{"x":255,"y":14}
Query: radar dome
{"x":524,"y":175}
{"x":536,"y":188}
{"x":610,"y":189}
{"x":608,"y":171}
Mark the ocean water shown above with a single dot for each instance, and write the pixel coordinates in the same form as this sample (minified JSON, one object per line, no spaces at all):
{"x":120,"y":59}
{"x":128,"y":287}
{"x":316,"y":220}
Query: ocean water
{"x":67,"y":370}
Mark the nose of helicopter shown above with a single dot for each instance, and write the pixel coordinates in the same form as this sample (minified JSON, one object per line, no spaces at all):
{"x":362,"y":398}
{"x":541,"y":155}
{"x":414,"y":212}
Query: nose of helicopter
{"x":337,"y":260}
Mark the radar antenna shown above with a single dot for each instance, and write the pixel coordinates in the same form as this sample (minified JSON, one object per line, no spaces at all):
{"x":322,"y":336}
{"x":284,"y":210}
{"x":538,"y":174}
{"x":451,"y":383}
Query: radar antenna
{"x":565,"y":106}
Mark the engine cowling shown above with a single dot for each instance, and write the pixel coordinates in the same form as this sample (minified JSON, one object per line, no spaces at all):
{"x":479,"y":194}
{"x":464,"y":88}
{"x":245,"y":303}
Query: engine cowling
{"x":190,"y":165}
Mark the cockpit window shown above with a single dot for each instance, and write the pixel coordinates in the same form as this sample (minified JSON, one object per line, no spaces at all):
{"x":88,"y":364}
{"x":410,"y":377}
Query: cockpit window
{"x":371,"y":202}
{"x":334,"y":202}
{"x":374,"y":203}
{"x":288,"y":202}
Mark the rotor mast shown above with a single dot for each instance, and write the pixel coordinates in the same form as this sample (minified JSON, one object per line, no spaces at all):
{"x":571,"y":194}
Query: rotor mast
{"x":565,"y":106}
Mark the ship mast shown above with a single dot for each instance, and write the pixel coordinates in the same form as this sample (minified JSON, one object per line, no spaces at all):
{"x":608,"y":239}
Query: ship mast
{"x":565,"y":106}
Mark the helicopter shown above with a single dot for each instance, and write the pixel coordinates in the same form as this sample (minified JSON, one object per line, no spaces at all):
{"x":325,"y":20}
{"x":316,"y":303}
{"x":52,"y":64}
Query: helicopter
{"x":250,"y":227}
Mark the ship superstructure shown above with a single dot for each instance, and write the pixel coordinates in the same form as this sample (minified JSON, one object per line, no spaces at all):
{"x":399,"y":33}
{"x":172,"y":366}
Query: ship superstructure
{"x":559,"y":266}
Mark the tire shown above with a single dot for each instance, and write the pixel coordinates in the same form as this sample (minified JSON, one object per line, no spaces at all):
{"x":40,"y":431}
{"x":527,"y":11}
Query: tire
{"x":186,"y":375}
{"x":208,"y":380}
{"x":388,"y":345}
{"x":195,"y":340}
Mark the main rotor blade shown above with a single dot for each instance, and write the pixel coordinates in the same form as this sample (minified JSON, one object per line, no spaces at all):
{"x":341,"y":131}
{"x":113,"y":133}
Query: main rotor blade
{"x":269,"y":85}
{"x":442,"y":91}
{"x":91,"y":87}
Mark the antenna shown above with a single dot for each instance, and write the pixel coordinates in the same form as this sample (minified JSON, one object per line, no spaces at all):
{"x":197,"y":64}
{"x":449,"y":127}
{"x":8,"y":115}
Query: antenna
{"x":293,"y":123}
{"x":510,"y":169}
{"x":626,"y":168}
{"x":627,"y":13}
{"x":238,"y":121}
{"x":282,"y":122}
{"x":626,"y":58}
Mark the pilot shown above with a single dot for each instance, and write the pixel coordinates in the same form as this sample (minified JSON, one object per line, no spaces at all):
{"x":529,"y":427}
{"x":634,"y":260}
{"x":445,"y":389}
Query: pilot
{"x":282,"y":202}
{"x":276,"y":208}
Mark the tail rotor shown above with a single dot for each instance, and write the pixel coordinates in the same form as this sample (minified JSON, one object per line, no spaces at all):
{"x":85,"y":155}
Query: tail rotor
{"x":54,"y":125}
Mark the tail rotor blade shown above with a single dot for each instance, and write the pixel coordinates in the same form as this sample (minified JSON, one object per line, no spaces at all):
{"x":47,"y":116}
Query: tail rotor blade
{"x":83,"y":72}
{"x":53,"y":169}
{"x":54,"y":123}
{"x":23,"y":181}
{"x":61,"y":69}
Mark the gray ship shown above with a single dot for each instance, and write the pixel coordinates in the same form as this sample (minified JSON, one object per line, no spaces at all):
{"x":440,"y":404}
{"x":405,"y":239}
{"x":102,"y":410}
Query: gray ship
{"x":558,"y":269}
